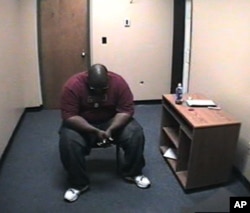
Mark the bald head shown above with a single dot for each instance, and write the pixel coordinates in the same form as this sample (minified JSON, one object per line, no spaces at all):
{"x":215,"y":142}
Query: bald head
{"x":98,"y":77}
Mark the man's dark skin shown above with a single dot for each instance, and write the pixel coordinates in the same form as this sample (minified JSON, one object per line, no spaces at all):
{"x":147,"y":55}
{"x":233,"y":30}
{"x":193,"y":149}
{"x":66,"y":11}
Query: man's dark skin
{"x":98,"y":84}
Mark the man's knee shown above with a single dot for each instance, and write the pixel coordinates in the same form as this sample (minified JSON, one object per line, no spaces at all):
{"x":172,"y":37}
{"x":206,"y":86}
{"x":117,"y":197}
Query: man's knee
{"x":134,"y":133}
{"x":69,"y":134}
{"x":136,"y":129}
{"x":72,"y":140}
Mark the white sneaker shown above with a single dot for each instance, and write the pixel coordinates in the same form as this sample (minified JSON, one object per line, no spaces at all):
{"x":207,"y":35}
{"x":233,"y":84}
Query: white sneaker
{"x":141,"y":181}
{"x":72,"y":194}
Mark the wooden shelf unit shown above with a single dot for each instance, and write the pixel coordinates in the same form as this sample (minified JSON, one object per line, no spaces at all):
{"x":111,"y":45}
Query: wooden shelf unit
{"x":204,"y":139}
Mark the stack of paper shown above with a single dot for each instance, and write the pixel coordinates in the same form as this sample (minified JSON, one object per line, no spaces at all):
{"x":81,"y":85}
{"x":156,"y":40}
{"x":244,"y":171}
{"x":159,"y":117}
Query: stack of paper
{"x":170,"y":153}
{"x":200,"y":103}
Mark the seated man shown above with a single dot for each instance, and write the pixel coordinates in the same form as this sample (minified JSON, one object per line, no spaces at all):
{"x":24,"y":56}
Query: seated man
{"x":97,"y":108}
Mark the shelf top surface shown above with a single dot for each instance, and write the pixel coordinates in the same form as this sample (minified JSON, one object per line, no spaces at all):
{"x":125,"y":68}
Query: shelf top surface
{"x":200,"y":117}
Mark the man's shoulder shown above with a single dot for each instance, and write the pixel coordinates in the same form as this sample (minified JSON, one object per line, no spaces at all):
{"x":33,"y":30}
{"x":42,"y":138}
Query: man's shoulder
{"x":78,"y":78}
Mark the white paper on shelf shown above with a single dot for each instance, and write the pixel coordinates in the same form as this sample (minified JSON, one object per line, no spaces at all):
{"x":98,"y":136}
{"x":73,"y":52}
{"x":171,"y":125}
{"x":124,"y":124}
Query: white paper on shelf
{"x":170,"y":153}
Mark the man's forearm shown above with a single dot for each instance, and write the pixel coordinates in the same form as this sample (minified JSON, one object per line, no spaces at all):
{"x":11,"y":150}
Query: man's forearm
{"x":80,"y":124}
{"x":120,"y":120}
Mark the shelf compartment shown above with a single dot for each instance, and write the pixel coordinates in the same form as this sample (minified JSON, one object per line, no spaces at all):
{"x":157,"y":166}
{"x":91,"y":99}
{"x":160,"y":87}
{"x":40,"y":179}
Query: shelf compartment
{"x":163,"y":149}
{"x":183,"y":152}
{"x":170,"y":114}
{"x":182,"y":177}
{"x":168,"y":119}
{"x":170,"y":161}
{"x":173,"y":135}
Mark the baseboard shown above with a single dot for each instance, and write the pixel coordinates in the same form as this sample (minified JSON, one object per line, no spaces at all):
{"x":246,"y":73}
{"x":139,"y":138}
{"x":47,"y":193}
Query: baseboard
{"x":9,"y":144}
{"x":3,"y":156}
{"x":149,"y":102}
{"x":242,"y":178}
{"x":34,"y":109}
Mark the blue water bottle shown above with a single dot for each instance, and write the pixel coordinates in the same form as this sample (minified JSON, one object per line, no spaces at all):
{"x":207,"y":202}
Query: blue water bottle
{"x":178,"y":94}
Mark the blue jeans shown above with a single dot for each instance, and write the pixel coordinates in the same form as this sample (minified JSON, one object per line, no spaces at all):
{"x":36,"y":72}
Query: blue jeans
{"x":75,"y":146}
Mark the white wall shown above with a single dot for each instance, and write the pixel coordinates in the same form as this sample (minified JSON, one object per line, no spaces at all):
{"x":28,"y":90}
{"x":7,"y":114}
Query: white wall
{"x":141,"y":52}
{"x":29,"y":51}
{"x":19,"y":75}
{"x":220,"y":62}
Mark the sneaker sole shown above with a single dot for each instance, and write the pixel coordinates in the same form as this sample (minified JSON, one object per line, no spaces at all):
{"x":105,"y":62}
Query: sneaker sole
{"x":142,"y":186}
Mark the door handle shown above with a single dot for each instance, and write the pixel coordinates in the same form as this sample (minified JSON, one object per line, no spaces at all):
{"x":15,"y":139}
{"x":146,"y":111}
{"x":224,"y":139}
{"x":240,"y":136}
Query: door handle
{"x":83,"y":54}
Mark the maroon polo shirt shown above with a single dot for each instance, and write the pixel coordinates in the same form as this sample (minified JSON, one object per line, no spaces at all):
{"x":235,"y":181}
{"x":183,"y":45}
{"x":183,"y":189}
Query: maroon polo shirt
{"x":76,"y":99}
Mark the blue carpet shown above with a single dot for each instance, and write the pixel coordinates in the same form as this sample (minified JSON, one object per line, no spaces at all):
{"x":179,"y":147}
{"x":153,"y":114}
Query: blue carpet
{"x":32,"y":178}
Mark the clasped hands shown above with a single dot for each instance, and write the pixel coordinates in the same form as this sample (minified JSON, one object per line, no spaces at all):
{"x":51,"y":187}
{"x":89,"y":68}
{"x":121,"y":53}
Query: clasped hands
{"x":105,"y":139}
